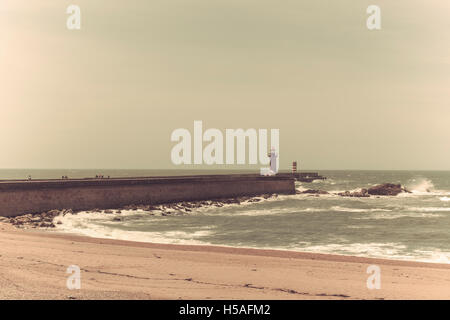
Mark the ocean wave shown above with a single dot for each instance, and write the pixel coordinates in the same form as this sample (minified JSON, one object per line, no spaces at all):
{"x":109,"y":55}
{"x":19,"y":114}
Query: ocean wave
{"x":424,"y":187}
{"x":87,"y":227}
{"x":344,"y":209}
{"x":395,"y":251}
{"x":290,"y":210}
{"x":420,"y":185}
{"x":326,"y":181}
{"x":392,"y":216}
{"x":428,"y":209}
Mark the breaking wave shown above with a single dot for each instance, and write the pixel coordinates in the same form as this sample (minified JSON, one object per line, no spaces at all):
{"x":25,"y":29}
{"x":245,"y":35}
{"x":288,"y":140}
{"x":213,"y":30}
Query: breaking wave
{"x":396,"y":251}
{"x":82,"y":225}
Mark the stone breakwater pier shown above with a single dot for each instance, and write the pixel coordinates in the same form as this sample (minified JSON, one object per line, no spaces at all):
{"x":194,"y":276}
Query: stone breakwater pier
{"x":18,"y":197}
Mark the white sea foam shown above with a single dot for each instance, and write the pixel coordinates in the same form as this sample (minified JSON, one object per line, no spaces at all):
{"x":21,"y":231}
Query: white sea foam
{"x":78,"y":224}
{"x":429,"y":209}
{"x":326,"y":181}
{"x":296,"y":210}
{"x":420,"y":186}
{"x":444,"y":199}
{"x":424,"y":186}
{"x":392,"y":215}
{"x":395,"y":251}
{"x":344,"y":209}
{"x":366,"y":249}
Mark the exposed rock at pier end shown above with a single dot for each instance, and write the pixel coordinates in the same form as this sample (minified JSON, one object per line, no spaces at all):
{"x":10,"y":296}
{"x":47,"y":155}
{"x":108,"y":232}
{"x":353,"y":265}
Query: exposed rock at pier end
{"x":313,"y":191}
{"x":385,"y":189}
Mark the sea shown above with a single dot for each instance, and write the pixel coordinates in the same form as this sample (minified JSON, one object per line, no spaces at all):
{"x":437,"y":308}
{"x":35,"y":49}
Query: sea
{"x":411,"y":226}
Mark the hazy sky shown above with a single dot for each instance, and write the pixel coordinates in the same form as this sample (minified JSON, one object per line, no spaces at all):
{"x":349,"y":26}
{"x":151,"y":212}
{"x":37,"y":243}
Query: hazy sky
{"x":110,"y":94}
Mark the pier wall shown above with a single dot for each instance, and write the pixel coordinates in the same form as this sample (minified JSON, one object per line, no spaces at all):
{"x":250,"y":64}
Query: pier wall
{"x":36,"y":196}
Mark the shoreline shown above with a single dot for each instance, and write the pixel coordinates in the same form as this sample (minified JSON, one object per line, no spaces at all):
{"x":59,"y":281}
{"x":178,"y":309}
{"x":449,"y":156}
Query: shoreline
{"x":272,"y":252}
{"x":34,"y":264}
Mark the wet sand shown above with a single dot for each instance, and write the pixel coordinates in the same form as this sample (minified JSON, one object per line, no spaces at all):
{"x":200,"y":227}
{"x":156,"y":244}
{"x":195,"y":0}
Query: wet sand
{"x":33,"y":265}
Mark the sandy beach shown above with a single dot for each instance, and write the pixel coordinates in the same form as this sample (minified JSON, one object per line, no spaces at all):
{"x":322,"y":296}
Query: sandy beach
{"x":33,"y":265}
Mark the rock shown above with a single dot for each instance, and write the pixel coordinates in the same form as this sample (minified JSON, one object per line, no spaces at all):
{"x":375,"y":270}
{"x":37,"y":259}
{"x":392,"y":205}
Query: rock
{"x":53,"y":213}
{"x":108,"y":211}
{"x":312,"y":191}
{"x":16,"y":222}
{"x":386,"y":189}
{"x":231,"y":201}
{"x":358,"y":194}
{"x":46,"y":225}
{"x":117,"y":219}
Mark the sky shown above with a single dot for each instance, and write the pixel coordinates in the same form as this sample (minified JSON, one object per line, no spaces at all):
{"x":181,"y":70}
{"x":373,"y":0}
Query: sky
{"x":110,"y":94}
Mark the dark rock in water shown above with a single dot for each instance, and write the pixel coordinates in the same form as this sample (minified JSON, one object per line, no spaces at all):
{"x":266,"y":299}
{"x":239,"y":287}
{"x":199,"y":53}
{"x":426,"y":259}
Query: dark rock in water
{"x":357,"y":194}
{"x":242,"y":199}
{"x":386,"y":189}
{"x":52,"y":213}
{"x":46,"y":225}
{"x":312,"y":191}
{"x":231,"y":201}
{"x":117,"y":219}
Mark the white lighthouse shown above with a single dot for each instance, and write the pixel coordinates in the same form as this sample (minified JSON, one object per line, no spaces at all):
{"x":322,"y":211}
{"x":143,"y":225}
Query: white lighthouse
{"x":273,"y":169}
